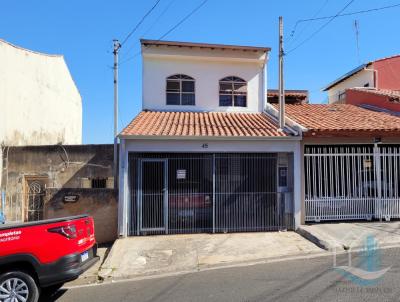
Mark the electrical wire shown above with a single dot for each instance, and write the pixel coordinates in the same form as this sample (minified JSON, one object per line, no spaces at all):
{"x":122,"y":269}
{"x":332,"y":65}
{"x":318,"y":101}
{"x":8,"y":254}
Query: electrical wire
{"x":343,"y":15}
{"x":159,"y":17}
{"x":140,"y":22}
{"x":184,"y":19}
{"x":171,"y":29}
{"x":290,"y":41}
{"x":154,"y":23}
{"x":321,"y":28}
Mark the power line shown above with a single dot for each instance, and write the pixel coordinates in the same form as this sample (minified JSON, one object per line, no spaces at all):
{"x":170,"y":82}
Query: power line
{"x":140,"y":22}
{"x":343,"y":15}
{"x":159,"y":17}
{"x":184,"y":19}
{"x":290,"y":41}
{"x":171,"y":29}
{"x":154,"y":23}
{"x":321,"y":28}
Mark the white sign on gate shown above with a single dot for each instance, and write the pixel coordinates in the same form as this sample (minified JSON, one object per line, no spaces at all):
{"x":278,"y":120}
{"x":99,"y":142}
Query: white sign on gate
{"x":180,"y":174}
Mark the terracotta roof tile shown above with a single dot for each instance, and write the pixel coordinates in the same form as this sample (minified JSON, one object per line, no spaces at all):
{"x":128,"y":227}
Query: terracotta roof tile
{"x":289,"y":92}
{"x":201,"y":124}
{"x":342,"y":120}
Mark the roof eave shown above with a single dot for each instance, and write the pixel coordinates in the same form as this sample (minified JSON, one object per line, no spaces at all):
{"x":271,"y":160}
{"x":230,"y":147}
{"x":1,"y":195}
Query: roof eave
{"x":346,"y":76}
{"x":203,"y":45}
{"x":193,"y":137}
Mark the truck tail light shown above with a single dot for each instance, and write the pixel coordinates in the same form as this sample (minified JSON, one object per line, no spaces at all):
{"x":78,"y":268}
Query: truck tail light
{"x":68,"y":231}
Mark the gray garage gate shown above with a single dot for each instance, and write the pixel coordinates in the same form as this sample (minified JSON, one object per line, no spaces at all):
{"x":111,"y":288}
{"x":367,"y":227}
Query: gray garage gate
{"x":214,"y":192}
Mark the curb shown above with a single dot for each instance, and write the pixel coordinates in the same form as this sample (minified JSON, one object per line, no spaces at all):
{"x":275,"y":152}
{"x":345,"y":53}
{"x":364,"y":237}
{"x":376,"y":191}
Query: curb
{"x":323,"y":244}
{"x":110,"y":280}
{"x":128,"y":278}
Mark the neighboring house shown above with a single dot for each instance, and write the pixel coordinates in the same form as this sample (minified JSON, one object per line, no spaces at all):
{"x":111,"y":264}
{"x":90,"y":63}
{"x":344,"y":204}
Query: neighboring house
{"x":45,"y":172}
{"x":40,"y":103}
{"x":376,"y":83}
{"x":204,"y":155}
{"x":375,"y":99}
{"x":291,"y":96}
{"x":57,"y":181}
{"x":351,"y":162}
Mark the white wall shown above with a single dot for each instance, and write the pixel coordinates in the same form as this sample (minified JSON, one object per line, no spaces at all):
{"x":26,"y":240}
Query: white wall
{"x":39,"y":101}
{"x":357,"y":80}
{"x":291,"y":145}
{"x":207,"y":67}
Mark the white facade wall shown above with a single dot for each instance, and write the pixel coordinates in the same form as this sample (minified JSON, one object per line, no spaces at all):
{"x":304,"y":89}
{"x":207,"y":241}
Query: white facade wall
{"x":357,"y":80}
{"x":39,"y":101}
{"x":290,"y":145}
{"x":207,"y":67}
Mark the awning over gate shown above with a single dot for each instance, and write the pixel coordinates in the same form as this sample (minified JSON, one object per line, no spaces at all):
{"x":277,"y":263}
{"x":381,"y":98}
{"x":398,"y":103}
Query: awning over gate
{"x":203,"y":124}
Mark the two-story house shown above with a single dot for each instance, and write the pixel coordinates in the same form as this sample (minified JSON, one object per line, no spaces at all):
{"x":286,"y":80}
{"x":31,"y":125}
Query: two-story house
{"x":374,"y":85}
{"x":204,"y":154}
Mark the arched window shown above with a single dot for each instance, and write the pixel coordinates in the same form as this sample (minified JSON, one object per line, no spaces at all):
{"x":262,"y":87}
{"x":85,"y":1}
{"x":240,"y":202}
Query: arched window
{"x":233,"y":92}
{"x":180,"y":90}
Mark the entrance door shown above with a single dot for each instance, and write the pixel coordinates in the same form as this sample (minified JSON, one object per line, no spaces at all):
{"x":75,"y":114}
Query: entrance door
{"x":34,"y":198}
{"x":153,"y":199}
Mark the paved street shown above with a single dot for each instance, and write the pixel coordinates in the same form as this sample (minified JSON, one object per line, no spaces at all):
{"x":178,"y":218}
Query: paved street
{"x":295,"y":280}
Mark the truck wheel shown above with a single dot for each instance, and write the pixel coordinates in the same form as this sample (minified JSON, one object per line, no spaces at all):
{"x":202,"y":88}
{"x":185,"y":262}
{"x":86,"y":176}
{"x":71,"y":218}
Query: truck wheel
{"x":18,"y":286}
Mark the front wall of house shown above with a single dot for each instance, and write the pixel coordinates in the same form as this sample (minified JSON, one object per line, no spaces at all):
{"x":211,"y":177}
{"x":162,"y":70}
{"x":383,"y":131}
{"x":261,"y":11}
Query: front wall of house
{"x":203,"y":146}
{"x":207,"y":72}
{"x":358,"y":80}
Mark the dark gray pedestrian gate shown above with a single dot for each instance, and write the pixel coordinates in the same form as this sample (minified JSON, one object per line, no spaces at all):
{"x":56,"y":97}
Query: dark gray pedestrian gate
{"x":189,"y":193}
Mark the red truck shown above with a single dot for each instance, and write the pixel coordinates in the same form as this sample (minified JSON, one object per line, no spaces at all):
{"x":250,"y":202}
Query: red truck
{"x":42,"y":255}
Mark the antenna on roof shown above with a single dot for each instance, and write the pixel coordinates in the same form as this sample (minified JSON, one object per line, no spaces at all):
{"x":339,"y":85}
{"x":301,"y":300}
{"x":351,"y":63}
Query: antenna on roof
{"x":357,"y":31}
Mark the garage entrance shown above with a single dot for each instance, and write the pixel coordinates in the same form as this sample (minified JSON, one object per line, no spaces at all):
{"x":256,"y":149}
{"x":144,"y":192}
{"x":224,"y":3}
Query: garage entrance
{"x":346,"y":182}
{"x":221,"y":192}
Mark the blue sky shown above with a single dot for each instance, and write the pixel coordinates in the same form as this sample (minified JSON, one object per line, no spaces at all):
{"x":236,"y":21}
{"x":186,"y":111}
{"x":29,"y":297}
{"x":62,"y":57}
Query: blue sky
{"x":83,"y":31}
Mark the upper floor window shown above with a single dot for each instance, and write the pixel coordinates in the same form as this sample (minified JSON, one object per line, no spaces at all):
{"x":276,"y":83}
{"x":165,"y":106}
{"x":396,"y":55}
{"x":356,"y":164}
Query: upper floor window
{"x":180,"y":90}
{"x":233,"y":92}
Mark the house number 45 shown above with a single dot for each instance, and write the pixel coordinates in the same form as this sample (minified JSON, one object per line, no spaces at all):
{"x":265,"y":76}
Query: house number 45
{"x":205,"y":146}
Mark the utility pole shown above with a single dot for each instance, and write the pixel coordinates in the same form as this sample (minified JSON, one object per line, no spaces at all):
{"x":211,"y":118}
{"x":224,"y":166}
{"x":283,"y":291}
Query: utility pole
{"x":281,"y":89}
{"x":117,"y":46}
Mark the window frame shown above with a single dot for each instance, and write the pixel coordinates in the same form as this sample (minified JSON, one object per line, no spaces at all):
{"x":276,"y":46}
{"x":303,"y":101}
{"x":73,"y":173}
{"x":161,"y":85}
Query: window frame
{"x":232,"y":80}
{"x":180,"y":78}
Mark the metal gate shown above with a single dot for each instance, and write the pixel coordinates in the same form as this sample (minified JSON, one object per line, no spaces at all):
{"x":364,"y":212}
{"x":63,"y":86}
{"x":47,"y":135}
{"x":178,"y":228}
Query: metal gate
{"x":189,"y":193}
{"x":352,"y":182}
{"x":35,"y":200}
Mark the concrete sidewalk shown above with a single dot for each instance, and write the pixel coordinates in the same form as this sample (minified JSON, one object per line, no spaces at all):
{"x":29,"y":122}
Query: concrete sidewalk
{"x":136,"y":257}
{"x":351,"y":234}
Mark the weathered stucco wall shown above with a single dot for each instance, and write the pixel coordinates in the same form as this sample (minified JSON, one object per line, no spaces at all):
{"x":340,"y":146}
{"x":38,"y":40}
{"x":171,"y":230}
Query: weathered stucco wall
{"x":101,"y":204}
{"x":62,"y":171}
{"x":40,"y":103}
{"x":64,"y":166}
